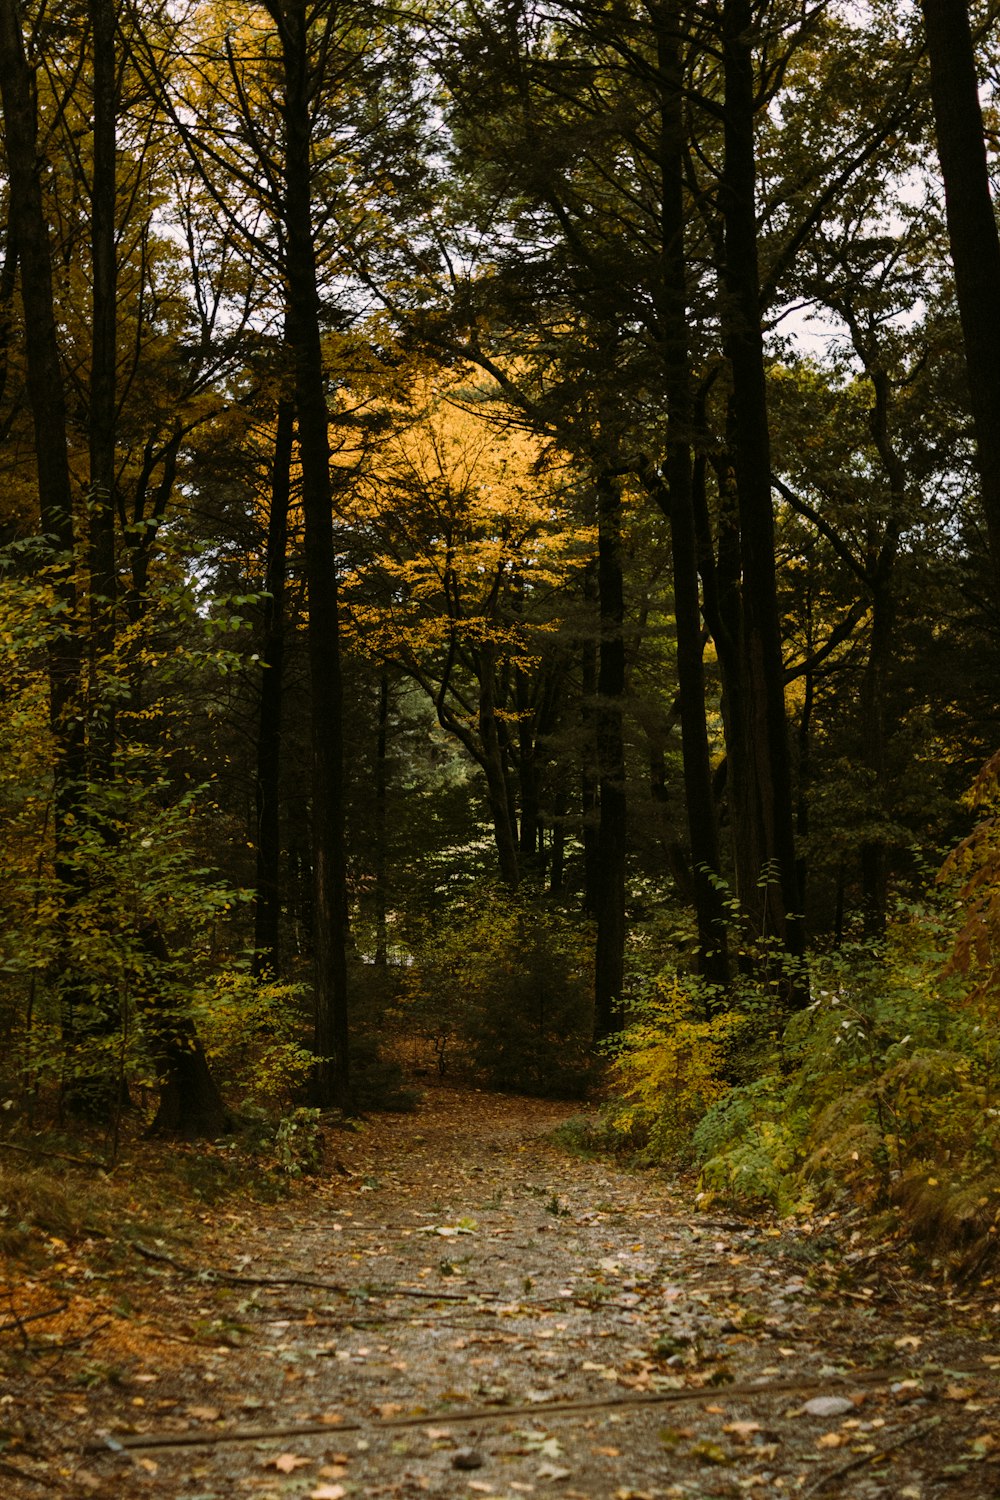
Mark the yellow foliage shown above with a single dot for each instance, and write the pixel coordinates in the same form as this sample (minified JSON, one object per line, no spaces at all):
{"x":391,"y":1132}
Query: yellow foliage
{"x":468,"y":528}
{"x":668,"y":1072}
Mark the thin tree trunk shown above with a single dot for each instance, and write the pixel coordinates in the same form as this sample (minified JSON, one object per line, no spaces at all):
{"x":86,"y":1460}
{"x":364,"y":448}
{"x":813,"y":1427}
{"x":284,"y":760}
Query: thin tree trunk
{"x":874,"y":855}
{"x":588,"y":759}
{"x":972,"y":231}
{"x":381,"y":823}
{"x":498,"y":789}
{"x":612,"y":826}
{"x":267,"y":904}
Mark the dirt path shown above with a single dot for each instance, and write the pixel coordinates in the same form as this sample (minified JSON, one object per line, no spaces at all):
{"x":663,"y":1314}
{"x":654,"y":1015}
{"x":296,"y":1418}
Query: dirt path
{"x":497,"y":1317}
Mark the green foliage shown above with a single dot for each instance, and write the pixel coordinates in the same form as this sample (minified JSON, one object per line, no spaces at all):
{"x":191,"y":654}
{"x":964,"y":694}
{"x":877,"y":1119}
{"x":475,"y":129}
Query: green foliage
{"x":505,"y":982}
{"x":298,"y":1143}
{"x":669,"y":1068}
{"x":106,"y":940}
{"x":254,"y":1035}
{"x":886,"y":1092}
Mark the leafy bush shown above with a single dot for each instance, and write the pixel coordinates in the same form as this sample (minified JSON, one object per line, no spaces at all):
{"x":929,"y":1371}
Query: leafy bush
{"x":669,"y":1069}
{"x":298,"y":1143}
{"x":884,"y":1090}
{"x":254,"y":1034}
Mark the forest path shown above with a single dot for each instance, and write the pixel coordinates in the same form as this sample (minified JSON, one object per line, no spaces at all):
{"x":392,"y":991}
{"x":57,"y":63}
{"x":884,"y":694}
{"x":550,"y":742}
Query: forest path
{"x":461,"y":1308}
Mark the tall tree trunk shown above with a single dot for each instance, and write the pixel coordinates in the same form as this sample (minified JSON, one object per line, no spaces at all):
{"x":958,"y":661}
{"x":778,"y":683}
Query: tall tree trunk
{"x":267,"y":903}
{"x":765,"y":741}
{"x":190,"y":1104}
{"x":103,"y":374}
{"x":529,"y":834}
{"x":557,"y":862}
{"x":972,"y":231}
{"x":381,"y":823}
{"x":677,"y":499}
{"x":874,"y":855}
{"x":588,"y":758}
{"x":612,"y":826}
{"x":329,"y":858}
{"x":498,"y":790}
{"x":28,"y":230}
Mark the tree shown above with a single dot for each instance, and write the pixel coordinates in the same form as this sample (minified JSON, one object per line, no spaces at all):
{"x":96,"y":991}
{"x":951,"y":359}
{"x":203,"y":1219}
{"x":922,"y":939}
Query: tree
{"x":972,"y":230}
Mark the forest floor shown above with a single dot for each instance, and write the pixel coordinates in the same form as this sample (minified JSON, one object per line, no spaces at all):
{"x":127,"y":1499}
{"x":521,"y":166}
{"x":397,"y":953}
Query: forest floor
{"x":461,"y":1307}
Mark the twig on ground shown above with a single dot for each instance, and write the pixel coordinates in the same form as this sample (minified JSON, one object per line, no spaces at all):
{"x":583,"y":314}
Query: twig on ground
{"x":26,"y":1474}
{"x":232,"y":1278}
{"x":66,"y":1344}
{"x":541,"y":1410}
{"x":78,"y":1161}
{"x":18,"y":1322}
{"x":912,"y":1435}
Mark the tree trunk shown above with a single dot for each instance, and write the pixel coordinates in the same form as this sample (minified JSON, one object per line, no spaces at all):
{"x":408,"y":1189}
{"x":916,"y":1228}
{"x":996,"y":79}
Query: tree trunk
{"x":588,"y":757}
{"x":764,"y":741}
{"x":498,"y":789}
{"x":972,"y":231}
{"x":381,"y":823}
{"x":678,"y":502}
{"x":874,"y":855}
{"x":329,"y":861}
{"x":267,"y":903}
{"x":103,"y":381}
{"x":29,"y":232}
{"x":190,"y":1103}
{"x":612,"y":827}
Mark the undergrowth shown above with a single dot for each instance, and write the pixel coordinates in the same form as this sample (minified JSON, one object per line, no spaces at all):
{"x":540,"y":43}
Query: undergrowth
{"x":883,"y":1093}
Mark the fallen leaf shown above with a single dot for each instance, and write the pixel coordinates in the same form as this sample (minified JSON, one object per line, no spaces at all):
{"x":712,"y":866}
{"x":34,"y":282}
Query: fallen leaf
{"x":742,"y":1431}
{"x":286,"y":1463}
{"x":830,"y":1440}
{"x":609,"y":1452}
{"x":328,"y":1492}
{"x":333,"y":1471}
{"x":204,"y":1413}
{"x":552,"y":1472}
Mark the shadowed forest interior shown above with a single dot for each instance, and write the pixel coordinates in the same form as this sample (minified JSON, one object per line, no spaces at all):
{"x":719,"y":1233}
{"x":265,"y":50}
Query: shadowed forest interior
{"x":500,"y":576}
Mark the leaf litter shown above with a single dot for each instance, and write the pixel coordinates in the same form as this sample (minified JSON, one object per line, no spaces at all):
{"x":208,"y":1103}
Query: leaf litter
{"x":457,"y":1272}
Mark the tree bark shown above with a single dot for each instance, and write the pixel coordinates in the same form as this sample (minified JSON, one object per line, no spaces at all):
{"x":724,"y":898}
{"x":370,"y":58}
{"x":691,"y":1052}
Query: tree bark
{"x":328,"y":841}
{"x":103,"y":380}
{"x":972,"y":231}
{"x":677,"y":500}
{"x":190,"y":1103}
{"x":589,"y":816}
{"x":29,"y":232}
{"x":267,"y":903}
{"x":498,"y":791}
{"x":764,"y":740}
{"x":381,"y":823}
{"x":612,"y":824}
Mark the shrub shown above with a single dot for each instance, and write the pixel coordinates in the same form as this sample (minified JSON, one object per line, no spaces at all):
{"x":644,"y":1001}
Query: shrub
{"x":254,"y":1032}
{"x":669,"y":1068}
